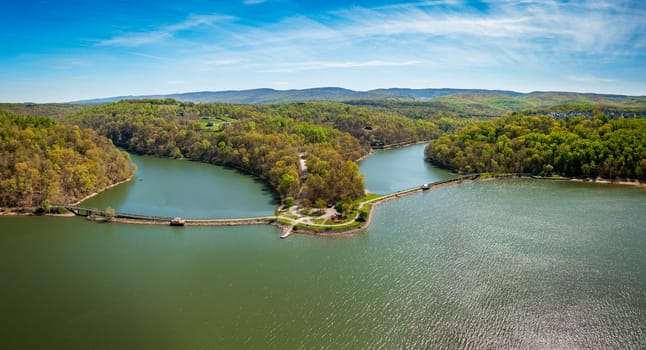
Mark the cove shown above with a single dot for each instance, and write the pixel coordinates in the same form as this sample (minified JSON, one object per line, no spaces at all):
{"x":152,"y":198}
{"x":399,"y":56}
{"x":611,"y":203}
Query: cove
{"x":167,"y":187}
{"x":392,"y":170}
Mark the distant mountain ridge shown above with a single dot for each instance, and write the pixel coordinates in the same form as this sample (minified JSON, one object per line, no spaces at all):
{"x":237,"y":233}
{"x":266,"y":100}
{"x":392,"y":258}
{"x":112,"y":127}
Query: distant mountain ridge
{"x":267,"y":95}
{"x":336,"y":94}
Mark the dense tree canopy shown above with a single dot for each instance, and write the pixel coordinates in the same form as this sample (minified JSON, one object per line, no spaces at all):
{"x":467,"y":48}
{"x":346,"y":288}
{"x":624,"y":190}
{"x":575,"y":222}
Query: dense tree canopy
{"x":265,"y":140}
{"x":371,"y":126}
{"x":41,"y":160}
{"x":577,"y":146}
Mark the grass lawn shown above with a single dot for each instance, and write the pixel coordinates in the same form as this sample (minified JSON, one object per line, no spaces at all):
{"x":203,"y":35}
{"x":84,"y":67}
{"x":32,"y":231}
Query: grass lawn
{"x":217,"y":123}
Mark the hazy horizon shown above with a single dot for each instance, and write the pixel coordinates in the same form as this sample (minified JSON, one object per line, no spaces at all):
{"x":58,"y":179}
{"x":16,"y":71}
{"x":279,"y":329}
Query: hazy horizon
{"x":319,"y":87}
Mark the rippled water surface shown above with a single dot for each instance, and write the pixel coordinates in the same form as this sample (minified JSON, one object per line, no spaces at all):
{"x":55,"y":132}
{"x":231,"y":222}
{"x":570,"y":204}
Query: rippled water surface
{"x":516,"y":264}
{"x":508,"y":264}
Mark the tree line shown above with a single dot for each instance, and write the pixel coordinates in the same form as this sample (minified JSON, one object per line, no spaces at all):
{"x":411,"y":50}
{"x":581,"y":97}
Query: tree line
{"x":539,"y":144}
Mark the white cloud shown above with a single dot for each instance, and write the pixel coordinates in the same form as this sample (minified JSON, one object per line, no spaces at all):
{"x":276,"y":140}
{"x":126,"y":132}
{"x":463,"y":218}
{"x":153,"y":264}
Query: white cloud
{"x":71,"y":63}
{"x":317,"y":65}
{"x":194,"y":21}
{"x":590,"y":79}
{"x":136,"y":39}
{"x":299,"y":29}
{"x":222,"y":62}
{"x":158,"y":58}
{"x":253,"y":2}
{"x":161,"y":34}
{"x":409,"y":5}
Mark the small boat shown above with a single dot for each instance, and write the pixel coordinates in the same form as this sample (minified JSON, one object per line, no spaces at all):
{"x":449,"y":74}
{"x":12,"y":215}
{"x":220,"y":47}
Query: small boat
{"x":177,"y":222}
{"x":425,"y":187}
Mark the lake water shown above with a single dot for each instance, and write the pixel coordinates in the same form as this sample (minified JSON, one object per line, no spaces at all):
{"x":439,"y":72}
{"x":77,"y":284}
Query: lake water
{"x":165,"y":187}
{"x":393,"y":170}
{"x":506,"y":264}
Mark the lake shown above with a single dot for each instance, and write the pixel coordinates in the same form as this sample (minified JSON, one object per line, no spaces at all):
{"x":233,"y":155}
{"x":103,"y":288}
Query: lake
{"x":165,"y":187}
{"x":393,"y":170}
{"x":500,"y":264}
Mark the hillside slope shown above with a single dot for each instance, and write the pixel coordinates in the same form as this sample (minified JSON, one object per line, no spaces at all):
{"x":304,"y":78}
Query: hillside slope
{"x":42,"y":161}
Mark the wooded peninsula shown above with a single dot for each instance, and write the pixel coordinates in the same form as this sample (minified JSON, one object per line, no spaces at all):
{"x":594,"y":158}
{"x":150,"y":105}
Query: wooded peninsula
{"x":308,"y":151}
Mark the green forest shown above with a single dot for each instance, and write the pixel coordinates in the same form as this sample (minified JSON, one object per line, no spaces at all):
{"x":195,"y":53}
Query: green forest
{"x":59,"y":153}
{"x":264,"y":140}
{"x":42,"y":161}
{"x":575,"y":147}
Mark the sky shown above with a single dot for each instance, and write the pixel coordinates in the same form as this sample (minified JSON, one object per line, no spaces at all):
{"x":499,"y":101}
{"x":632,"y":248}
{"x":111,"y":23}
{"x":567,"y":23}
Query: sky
{"x":67,"y":50}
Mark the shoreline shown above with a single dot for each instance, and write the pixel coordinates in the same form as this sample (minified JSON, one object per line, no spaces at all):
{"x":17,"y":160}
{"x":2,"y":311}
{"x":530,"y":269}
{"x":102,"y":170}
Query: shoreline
{"x":31,"y":211}
{"x":621,"y":182}
{"x":406,"y":193}
{"x":387,"y":147}
{"x":597,"y":180}
{"x":377,"y":202}
{"x":331,"y":232}
{"x":93,"y":194}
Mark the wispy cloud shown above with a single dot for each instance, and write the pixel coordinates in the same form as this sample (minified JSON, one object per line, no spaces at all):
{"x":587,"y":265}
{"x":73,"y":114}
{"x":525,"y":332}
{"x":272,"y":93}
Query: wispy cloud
{"x":155,"y":57}
{"x":418,"y":4}
{"x":136,"y":39}
{"x":71,"y":63}
{"x":253,"y":2}
{"x":293,"y":30}
{"x":545,"y":23}
{"x":507,"y":32}
{"x":223,"y":62}
{"x":317,"y":65}
{"x":161,"y":34}
{"x":590,"y":79}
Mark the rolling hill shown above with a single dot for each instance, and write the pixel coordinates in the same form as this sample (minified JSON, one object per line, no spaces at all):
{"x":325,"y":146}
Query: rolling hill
{"x":258,"y":96}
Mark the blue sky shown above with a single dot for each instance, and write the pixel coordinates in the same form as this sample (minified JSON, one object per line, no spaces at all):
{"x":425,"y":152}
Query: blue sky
{"x":64,"y":50}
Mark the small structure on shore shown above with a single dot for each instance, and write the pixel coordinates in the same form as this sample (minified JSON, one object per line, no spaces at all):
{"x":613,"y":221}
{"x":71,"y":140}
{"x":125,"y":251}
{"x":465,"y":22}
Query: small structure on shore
{"x":426,"y":187}
{"x":177,"y":221}
{"x":286,"y":232}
